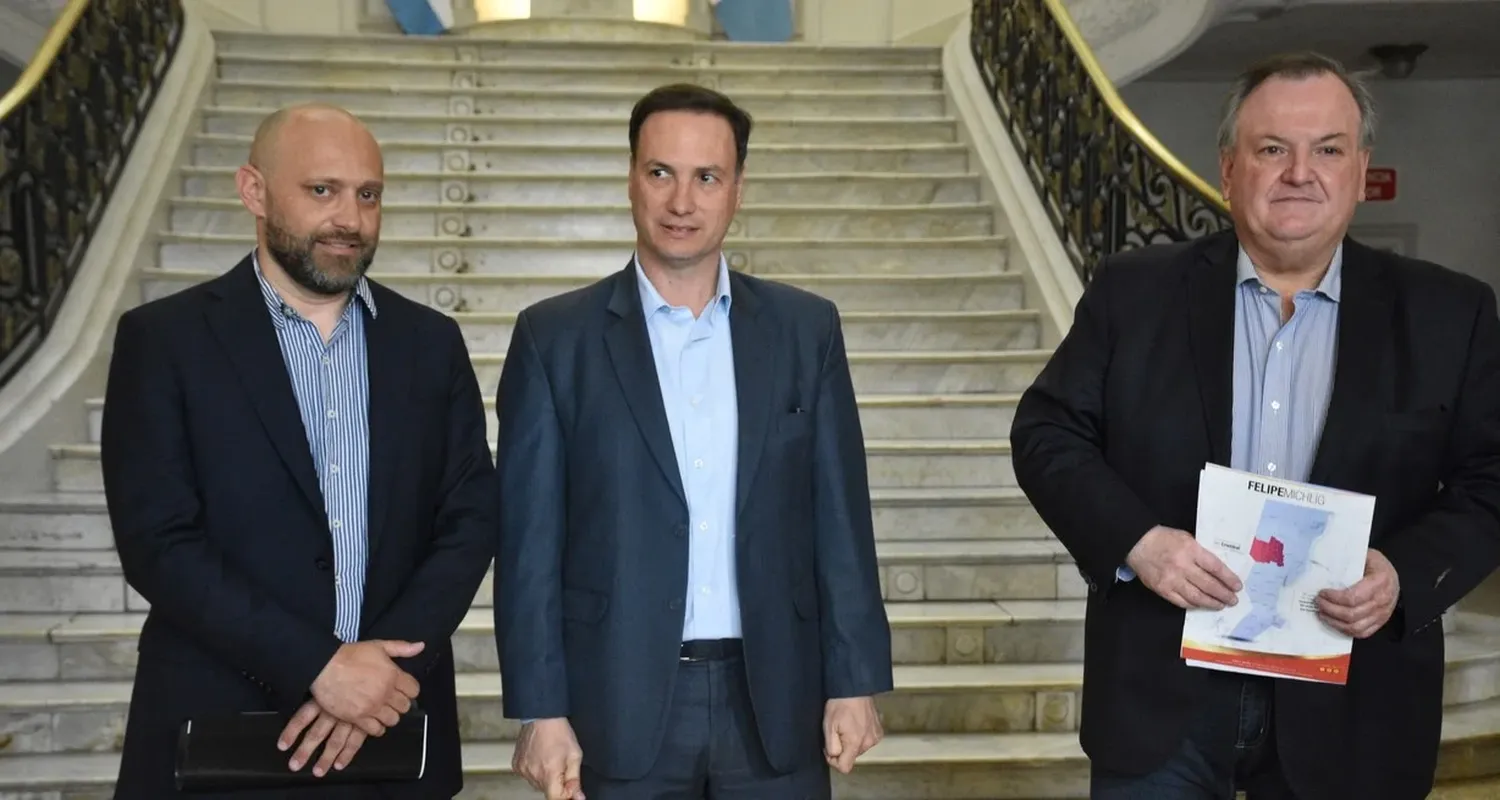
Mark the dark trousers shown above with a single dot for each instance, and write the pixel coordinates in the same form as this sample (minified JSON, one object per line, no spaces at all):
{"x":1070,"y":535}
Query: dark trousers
{"x":1229,"y":746}
{"x":712,"y":750}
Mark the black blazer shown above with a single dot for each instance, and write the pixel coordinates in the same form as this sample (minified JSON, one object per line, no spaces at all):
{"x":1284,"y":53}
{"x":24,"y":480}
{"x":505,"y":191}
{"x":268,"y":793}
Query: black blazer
{"x":591,"y":572}
{"x":1110,"y":439}
{"x":219,"y":520}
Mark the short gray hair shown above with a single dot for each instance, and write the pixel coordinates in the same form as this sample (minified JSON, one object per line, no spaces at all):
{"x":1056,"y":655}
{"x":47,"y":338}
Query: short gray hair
{"x":1296,"y":66}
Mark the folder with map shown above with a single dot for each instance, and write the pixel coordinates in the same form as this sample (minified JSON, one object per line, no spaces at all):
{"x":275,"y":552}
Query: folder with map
{"x":1287,"y":541}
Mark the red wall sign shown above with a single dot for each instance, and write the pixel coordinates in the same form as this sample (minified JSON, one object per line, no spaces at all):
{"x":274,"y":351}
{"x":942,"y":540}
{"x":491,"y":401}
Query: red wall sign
{"x":1380,"y":184}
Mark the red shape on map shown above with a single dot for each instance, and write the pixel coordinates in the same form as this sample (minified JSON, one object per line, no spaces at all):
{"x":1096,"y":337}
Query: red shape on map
{"x":1265,"y":552}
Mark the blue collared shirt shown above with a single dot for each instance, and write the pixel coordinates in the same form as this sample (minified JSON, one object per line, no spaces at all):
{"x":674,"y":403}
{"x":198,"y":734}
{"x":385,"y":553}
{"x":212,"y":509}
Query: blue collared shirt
{"x":332,"y":385}
{"x":695,"y":367}
{"x":1283,"y":374}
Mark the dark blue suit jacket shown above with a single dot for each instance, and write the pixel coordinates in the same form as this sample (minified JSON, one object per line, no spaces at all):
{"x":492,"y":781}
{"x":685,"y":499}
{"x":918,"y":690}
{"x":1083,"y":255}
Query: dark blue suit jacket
{"x":219,"y":520}
{"x":591,"y":572}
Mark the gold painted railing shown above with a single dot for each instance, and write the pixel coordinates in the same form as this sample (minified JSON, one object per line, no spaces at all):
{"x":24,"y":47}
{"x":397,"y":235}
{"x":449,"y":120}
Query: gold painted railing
{"x":66,"y":130}
{"x":1107,"y":183}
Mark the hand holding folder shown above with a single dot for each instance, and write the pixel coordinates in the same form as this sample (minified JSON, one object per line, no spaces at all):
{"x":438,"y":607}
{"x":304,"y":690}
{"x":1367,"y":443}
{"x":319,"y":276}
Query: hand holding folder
{"x":224,"y":752}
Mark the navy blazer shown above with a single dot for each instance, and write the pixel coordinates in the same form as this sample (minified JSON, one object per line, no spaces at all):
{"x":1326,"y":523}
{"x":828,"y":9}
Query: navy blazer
{"x":1110,"y":439}
{"x":591,"y":571}
{"x":219,"y":520}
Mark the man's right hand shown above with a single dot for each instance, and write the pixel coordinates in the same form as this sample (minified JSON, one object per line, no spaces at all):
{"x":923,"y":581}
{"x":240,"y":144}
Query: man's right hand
{"x":362,"y":685}
{"x":548,"y":757}
{"x":1172,"y":563}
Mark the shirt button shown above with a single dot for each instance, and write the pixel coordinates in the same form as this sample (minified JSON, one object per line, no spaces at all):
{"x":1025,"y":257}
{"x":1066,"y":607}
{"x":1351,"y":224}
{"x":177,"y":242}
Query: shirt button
{"x":337,"y":581}
{"x":332,"y":413}
{"x":327,"y":361}
{"x":706,"y":590}
{"x":697,"y":400}
{"x":334,"y":468}
{"x":698,"y":463}
{"x":1271,"y":467}
{"x":1275,"y":406}
{"x":703,"y":526}
{"x":336,"y":524}
{"x":1278,"y":345}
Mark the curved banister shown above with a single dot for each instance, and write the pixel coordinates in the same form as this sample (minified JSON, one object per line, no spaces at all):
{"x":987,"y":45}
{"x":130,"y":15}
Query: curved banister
{"x":66,"y":130}
{"x":1107,"y":183}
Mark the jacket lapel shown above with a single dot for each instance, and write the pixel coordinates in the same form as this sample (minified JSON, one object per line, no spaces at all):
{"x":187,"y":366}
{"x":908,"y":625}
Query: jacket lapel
{"x":1210,"y":303}
{"x":1365,"y":343}
{"x":389,"y":356}
{"x":629,"y":348}
{"x":754,"y":337}
{"x":242,"y":324}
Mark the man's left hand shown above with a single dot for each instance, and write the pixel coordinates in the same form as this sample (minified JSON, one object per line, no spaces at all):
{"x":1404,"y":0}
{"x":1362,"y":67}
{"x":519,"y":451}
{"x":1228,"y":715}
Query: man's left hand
{"x":1363,"y":608}
{"x":851,"y":726}
{"x":344,"y":739}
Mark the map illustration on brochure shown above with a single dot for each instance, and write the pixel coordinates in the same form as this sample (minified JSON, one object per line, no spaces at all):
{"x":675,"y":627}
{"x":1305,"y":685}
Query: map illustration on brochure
{"x":1286,"y":541}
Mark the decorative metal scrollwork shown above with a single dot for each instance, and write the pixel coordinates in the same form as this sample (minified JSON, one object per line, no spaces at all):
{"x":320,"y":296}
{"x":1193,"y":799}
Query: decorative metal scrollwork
{"x":62,"y":148}
{"x":1106,"y":183}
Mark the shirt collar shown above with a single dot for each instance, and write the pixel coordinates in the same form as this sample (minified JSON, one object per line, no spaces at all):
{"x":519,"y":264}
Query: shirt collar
{"x":652,"y":301}
{"x":280,"y":310}
{"x":1331,"y":286}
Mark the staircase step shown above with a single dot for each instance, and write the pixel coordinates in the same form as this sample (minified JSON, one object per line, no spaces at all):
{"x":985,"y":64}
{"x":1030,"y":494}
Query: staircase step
{"x":59,"y":581}
{"x":472,"y":160}
{"x":949,"y":463}
{"x":892,"y":463}
{"x":959,"y":766}
{"x":562,"y":257}
{"x":72,"y":580}
{"x":79,"y":521}
{"x":89,"y":716}
{"x":892,"y":416}
{"x":55,"y":521}
{"x":499,"y":293}
{"x":615,"y":103}
{"x":594,"y":130}
{"x":409,"y":72}
{"x":191,"y":215}
{"x":620,"y":54}
{"x":101,"y":646}
{"x":899,"y":768}
{"x":899,"y":417}
{"x":599,"y":189}
{"x":1018,"y":329}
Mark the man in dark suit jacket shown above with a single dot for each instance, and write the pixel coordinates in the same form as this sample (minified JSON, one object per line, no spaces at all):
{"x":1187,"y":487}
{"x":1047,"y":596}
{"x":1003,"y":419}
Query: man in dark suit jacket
{"x":1286,"y":349}
{"x":298,"y":481}
{"x":686,"y":577}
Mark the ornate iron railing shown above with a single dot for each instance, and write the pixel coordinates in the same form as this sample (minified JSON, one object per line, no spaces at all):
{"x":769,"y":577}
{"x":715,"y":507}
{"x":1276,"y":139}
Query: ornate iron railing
{"x":66,"y":130}
{"x":1107,"y":183}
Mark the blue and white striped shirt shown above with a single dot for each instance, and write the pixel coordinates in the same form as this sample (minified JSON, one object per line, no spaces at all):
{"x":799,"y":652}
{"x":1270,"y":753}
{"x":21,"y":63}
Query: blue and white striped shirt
{"x":332,"y":384}
{"x":1283,"y":374}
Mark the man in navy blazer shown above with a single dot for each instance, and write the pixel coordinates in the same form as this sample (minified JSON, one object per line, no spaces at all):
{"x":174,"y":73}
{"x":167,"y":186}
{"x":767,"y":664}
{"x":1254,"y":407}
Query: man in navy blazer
{"x":686,"y":595}
{"x":298,"y":481}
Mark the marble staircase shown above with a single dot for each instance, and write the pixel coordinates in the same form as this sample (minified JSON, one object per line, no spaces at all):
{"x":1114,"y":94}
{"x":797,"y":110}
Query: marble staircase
{"x":506,"y":166}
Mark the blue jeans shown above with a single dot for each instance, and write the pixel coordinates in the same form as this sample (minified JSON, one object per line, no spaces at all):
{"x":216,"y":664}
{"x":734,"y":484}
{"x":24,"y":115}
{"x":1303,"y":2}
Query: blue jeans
{"x":1229,"y":747}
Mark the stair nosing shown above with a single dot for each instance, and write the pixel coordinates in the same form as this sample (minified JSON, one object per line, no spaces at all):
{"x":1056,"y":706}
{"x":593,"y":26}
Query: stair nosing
{"x":592,"y":93}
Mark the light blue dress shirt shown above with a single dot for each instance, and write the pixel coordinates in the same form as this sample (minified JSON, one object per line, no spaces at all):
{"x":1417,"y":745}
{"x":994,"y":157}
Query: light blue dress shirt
{"x":1283,"y":374}
{"x":695,"y":367}
{"x":332,"y":383}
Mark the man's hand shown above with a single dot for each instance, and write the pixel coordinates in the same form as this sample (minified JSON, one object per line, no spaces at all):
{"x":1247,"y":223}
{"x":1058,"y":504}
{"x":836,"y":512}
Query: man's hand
{"x":1363,"y":608}
{"x":851,"y":726}
{"x":1172,"y":563}
{"x":548,"y":757}
{"x":344,"y":740}
{"x":362,"y":685}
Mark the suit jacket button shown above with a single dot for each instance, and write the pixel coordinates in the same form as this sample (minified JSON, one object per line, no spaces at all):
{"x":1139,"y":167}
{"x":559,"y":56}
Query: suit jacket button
{"x":675,"y":604}
{"x":680,"y":530}
{"x":321,"y":563}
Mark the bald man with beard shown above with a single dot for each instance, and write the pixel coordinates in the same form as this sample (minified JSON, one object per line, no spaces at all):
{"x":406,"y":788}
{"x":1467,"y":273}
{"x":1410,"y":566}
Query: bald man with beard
{"x":297,"y":475}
